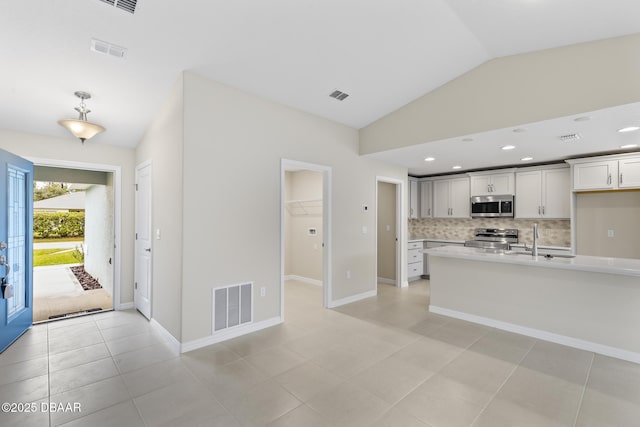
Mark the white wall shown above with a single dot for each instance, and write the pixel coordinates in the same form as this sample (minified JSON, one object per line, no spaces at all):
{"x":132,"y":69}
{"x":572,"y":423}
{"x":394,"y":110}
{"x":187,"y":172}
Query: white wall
{"x":98,"y":233}
{"x":70,"y":149}
{"x":304,"y":251}
{"x":163,"y":144}
{"x":233,"y":146}
{"x":598,"y":212}
{"x":516,"y":90}
{"x":386,"y":238}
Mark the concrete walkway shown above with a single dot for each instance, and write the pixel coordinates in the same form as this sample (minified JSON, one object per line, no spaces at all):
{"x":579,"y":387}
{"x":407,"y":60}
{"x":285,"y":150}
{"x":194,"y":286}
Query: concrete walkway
{"x":53,"y":245}
{"x":55,"y":281}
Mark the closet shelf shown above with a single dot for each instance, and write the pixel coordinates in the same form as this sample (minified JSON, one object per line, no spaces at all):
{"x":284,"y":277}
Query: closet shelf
{"x":311,"y":207}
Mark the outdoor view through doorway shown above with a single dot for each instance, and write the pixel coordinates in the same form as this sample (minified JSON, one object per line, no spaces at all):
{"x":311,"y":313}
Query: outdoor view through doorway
{"x":73,"y":231}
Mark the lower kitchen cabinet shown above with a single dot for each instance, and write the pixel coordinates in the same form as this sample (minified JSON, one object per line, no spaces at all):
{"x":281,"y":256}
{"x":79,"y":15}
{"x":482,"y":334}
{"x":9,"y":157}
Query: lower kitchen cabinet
{"x":414,"y":260}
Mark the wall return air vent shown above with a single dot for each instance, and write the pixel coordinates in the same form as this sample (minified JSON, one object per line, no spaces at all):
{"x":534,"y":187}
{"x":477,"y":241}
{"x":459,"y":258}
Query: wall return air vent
{"x":126,"y":5}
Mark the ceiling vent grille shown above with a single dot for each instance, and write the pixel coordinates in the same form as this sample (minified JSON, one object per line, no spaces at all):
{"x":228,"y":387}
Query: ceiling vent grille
{"x":126,"y":5}
{"x":340,"y":96}
{"x":569,"y":137}
{"x":107,"y":48}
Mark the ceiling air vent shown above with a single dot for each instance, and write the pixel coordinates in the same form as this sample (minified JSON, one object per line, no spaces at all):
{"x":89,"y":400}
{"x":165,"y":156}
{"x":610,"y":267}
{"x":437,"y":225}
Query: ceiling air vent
{"x":126,"y":5}
{"x":107,"y":48}
{"x":569,"y":137}
{"x":340,"y":96}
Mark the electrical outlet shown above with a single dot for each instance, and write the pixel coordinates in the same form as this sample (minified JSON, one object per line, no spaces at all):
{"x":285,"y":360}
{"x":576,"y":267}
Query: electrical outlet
{"x":388,"y":228}
{"x":348,"y":274}
{"x":610,"y":233}
{"x":364,"y":229}
{"x":157,"y":234}
{"x":263,"y":291}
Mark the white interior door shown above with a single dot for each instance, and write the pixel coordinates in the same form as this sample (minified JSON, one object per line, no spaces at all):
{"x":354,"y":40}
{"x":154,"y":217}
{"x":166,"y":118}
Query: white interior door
{"x":142,"y":287}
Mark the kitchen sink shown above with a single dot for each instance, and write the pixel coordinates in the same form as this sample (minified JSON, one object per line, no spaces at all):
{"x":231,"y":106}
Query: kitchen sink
{"x":540,"y":254}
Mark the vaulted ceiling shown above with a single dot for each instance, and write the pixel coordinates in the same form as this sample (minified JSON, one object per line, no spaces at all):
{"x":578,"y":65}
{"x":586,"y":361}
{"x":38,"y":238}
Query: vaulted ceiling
{"x":382,"y":53}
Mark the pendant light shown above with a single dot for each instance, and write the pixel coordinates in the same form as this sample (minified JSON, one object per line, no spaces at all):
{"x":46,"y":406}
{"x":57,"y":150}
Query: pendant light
{"x":80,"y":127}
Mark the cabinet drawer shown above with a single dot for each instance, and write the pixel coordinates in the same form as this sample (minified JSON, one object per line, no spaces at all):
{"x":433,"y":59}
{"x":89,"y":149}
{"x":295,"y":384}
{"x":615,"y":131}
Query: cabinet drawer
{"x":414,"y":255}
{"x":415,"y":269}
{"x":414,"y":245}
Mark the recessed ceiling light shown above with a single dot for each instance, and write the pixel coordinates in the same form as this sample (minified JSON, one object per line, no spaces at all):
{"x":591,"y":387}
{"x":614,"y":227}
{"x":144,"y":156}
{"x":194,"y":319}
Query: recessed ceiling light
{"x":467,"y":139}
{"x":508,"y":147}
{"x":519,"y":130}
{"x":429,"y":159}
{"x":629,"y":129}
{"x":526,"y":159}
{"x":582,"y":119}
{"x":457,"y":167}
{"x":629,"y":146}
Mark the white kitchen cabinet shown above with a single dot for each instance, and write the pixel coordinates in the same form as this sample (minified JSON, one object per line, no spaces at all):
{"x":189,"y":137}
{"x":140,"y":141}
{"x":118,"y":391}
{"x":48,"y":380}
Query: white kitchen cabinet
{"x":413,"y":198}
{"x":414,"y":260}
{"x":426,"y":199}
{"x":488,"y":184}
{"x":543,"y":193}
{"x":629,"y":173}
{"x":451,"y":198}
{"x":606,"y":173}
{"x":601,"y":175}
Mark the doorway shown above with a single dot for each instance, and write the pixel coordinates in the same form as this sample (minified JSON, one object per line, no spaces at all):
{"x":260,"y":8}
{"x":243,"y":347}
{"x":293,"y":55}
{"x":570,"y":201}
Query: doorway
{"x":305,"y":231}
{"x":73,"y":230}
{"x":388,"y":231}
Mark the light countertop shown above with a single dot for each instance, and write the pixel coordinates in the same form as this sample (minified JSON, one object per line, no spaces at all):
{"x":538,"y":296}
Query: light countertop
{"x":424,"y":239}
{"x":621,"y":266}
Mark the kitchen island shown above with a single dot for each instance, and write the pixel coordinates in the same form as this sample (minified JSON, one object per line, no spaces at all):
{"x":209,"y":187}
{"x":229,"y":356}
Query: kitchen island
{"x":592,"y":303}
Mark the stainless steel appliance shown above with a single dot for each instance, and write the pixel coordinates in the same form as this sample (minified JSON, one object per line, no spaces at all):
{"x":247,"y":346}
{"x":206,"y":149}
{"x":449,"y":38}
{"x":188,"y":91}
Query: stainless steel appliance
{"x":498,"y":239}
{"x":492,"y":206}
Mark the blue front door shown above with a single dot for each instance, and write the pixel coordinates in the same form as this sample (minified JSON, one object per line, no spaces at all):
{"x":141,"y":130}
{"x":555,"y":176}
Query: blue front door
{"x":16,"y":247}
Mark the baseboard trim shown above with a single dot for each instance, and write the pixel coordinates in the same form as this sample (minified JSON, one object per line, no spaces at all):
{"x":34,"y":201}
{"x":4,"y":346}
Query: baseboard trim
{"x":353,"y":298}
{"x":606,"y":350}
{"x":303,"y":279}
{"x":169,"y":338}
{"x":386,"y":281}
{"x":125,"y":306}
{"x":229,"y":334}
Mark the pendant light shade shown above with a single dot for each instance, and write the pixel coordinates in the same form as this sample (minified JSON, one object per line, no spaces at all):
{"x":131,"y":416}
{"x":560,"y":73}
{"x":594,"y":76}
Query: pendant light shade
{"x":80,"y":127}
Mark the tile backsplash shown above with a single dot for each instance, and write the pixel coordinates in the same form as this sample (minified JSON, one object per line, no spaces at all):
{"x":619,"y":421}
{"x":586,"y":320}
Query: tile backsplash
{"x":551,"y":232}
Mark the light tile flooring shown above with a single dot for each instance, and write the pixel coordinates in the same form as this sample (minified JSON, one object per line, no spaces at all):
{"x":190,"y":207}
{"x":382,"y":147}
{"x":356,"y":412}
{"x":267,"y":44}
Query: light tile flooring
{"x":384,"y":361}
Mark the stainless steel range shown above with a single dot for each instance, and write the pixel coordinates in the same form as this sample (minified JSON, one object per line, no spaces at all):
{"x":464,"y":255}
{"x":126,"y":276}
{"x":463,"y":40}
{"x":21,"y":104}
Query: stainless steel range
{"x":497,"y":239}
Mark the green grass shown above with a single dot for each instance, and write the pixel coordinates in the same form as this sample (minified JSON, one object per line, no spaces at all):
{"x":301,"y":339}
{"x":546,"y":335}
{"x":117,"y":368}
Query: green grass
{"x":54,"y":256}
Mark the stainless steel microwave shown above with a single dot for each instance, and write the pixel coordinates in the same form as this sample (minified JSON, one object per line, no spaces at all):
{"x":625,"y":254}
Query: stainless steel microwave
{"x":492,"y":206}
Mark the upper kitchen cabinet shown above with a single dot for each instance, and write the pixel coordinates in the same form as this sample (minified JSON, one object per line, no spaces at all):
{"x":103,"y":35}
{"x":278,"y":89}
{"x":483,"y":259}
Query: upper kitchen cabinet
{"x":485,"y":184}
{"x":543,"y":193}
{"x":426,"y":199}
{"x":413,"y":198}
{"x":606,"y":172}
{"x":451,"y":198}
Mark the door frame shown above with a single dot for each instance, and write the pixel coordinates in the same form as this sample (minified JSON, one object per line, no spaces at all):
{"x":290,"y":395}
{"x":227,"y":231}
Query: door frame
{"x":142,"y":165}
{"x":401,"y":233}
{"x":117,"y":214}
{"x":287,"y":165}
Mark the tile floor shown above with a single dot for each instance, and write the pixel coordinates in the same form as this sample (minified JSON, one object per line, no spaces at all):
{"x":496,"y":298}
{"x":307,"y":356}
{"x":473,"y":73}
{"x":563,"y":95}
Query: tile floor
{"x":384,"y":361}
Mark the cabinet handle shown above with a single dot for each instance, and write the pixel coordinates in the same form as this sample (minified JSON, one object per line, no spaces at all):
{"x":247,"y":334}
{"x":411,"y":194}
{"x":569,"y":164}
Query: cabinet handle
{"x":538,"y":210}
{"x":609,"y":179}
{"x":543,"y":210}
{"x":620,"y":178}
{"x":429,"y":211}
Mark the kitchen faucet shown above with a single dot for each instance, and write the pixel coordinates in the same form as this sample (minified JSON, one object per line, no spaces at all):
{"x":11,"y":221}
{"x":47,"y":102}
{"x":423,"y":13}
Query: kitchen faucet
{"x":534,"y":249}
